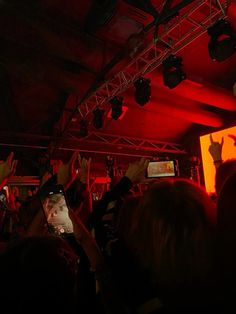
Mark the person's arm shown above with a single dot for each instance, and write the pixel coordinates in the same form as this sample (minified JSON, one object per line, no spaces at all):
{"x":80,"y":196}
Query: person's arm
{"x":215,"y":149}
{"x":135,"y":173}
{"x":86,"y":207}
{"x":84,"y":176}
{"x":110,"y":296}
{"x":7,"y":169}
{"x":84,"y":171}
{"x":78,"y":194}
{"x":67,"y":172}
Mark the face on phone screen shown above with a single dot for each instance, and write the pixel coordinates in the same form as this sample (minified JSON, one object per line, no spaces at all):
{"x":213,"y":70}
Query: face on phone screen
{"x":3,"y":198}
{"x":160,"y":169}
{"x":56,"y":212}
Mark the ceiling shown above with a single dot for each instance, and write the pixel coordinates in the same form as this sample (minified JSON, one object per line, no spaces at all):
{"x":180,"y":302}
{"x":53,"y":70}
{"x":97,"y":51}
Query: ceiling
{"x":55,"y":55}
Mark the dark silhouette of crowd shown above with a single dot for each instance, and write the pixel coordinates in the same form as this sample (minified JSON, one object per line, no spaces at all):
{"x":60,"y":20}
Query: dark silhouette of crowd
{"x":165,"y":248}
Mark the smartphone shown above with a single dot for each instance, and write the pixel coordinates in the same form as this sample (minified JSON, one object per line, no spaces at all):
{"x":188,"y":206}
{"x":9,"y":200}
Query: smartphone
{"x":3,"y":196}
{"x":162,"y":169}
{"x":56,"y":210}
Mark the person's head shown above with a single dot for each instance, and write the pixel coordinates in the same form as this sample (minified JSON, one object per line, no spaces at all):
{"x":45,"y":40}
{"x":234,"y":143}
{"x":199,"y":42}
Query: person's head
{"x":38,"y":274}
{"x":225,"y":170}
{"x":171,"y":230}
{"x":126,"y":214}
{"x":226,"y":211}
{"x":226,"y":220}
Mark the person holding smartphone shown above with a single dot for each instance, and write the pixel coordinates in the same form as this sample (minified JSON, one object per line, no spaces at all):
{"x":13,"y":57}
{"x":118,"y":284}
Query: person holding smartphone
{"x":56,"y":210}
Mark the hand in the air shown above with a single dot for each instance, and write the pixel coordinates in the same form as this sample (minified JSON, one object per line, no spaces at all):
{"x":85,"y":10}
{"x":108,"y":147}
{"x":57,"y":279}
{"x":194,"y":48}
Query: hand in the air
{"x":84,"y":169}
{"x":215,"y":148}
{"x":137,"y":170}
{"x":7,"y":169}
{"x":67,"y":172}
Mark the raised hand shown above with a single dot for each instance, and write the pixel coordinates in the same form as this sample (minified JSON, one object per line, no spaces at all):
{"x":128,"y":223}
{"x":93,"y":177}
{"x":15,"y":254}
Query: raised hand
{"x":233,"y":138}
{"x":215,"y":148}
{"x":84,"y":171}
{"x":67,"y":172}
{"x":137,"y":170}
{"x":7,"y":169}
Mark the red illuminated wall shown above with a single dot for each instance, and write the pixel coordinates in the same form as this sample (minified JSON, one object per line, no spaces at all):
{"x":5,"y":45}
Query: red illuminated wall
{"x":228,"y":151}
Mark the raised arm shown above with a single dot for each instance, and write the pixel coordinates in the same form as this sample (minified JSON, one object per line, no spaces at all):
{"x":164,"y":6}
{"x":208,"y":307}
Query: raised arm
{"x":134,"y":174}
{"x":215,"y":149}
{"x":7,"y":169}
{"x":67,"y":172}
{"x":110,"y":296}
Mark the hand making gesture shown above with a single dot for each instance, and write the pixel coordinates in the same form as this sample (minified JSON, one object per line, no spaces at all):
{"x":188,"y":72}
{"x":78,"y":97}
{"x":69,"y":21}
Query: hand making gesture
{"x":215,"y":149}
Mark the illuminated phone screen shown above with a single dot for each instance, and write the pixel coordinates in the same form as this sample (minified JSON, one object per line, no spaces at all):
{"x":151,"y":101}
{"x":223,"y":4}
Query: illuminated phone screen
{"x":160,"y":169}
{"x":56,"y":212}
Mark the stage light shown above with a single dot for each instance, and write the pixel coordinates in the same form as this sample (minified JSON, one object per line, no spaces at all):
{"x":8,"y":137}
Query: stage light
{"x":173,"y":73}
{"x":142,"y":91}
{"x":222,"y":43}
{"x":116,"y":107}
{"x":83,"y":130}
{"x":98,"y":118}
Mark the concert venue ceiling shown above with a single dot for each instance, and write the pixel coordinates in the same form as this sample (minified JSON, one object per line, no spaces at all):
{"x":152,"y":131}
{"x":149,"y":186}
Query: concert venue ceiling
{"x":61,"y":60}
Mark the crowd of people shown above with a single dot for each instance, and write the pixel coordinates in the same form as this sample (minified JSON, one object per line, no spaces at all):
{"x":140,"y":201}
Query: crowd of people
{"x":169,"y":248}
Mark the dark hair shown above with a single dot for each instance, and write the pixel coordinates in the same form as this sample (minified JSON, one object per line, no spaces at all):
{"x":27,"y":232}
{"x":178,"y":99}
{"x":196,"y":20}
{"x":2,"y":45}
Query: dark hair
{"x":170,"y":233}
{"x":125,"y":216}
{"x":226,"y":213}
{"x":38,"y":272}
{"x":227,"y":239}
{"x":226,"y":169}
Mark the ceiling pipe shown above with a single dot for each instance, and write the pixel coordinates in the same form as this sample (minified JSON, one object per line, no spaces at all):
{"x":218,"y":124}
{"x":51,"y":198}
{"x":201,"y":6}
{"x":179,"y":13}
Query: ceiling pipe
{"x":177,"y":108}
{"x":204,"y":93}
{"x":209,"y":94}
{"x":198,"y":116}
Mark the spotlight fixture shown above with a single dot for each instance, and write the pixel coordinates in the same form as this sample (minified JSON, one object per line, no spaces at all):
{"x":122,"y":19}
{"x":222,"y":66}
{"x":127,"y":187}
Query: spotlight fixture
{"x":142,"y":91}
{"x":116,"y":107}
{"x":98,"y":118}
{"x":222,"y":43}
{"x":83,"y":131}
{"x":173,"y":73}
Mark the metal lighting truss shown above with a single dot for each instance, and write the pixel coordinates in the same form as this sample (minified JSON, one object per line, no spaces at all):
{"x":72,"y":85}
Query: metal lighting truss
{"x":24,"y":180}
{"x":180,"y":31}
{"x":95,"y":142}
{"x":128,"y":143}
